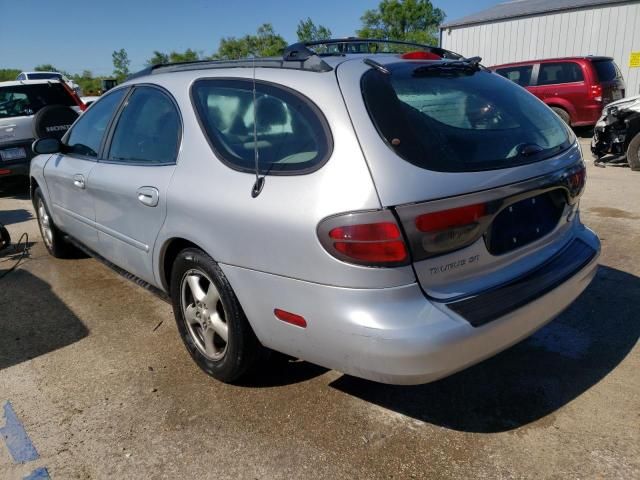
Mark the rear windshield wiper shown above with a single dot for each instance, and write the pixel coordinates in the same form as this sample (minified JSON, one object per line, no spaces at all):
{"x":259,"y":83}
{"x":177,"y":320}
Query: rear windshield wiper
{"x":470,"y":65}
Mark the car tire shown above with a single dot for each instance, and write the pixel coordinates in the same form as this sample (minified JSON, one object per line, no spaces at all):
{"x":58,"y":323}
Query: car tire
{"x":563,"y":114}
{"x":206,"y":310}
{"x":633,"y":153}
{"x":52,"y":237}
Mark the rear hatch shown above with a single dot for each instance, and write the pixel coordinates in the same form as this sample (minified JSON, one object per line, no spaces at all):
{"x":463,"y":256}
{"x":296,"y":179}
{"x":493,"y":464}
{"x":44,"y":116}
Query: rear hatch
{"x":21,"y":101}
{"x":481,"y":175}
{"x":610,"y":78}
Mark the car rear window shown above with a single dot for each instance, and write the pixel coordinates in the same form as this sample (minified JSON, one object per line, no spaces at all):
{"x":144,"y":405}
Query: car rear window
{"x":460,"y":120}
{"x":606,"y":70}
{"x":23,"y":100}
{"x":291,"y":134}
{"x":44,"y":76}
{"x":520,"y":75}
{"x":560,"y":72}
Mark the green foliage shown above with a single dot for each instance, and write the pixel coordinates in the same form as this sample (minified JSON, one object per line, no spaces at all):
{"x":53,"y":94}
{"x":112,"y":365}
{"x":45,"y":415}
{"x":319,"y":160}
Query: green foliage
{"x":266,"y":43}
{"x":408,"y":20}
{"x":7,"y":74}
{"x":174,"y":57}
{"x":121,"y":64}
{"x":308,"y":31}
{"x":46,"y":67}
{"x":89,"y":84}
{"x":158,"y":58}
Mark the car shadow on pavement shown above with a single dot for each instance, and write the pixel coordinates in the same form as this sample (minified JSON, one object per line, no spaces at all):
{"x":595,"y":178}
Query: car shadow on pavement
{"x":281,"y":370}
{"x":33,"y":320}
{"x":11,"y":217}
{"x":532,"y":379}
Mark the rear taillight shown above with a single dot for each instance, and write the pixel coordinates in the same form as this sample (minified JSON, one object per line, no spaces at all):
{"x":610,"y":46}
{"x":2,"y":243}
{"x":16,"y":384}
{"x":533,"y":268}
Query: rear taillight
{"x":595,"y":92}
{"x":451,"y":229}
{"x":365,"y":238}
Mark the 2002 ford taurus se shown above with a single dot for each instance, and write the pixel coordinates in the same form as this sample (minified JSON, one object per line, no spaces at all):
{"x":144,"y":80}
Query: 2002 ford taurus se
{"x":397,"y":217}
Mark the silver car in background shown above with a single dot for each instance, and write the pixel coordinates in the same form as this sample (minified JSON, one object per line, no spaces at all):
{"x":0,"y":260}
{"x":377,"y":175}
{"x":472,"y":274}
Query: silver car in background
{"x":397,"y":217}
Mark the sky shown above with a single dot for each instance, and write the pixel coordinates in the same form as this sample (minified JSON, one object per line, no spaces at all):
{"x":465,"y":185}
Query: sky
{"x":79,"y":35}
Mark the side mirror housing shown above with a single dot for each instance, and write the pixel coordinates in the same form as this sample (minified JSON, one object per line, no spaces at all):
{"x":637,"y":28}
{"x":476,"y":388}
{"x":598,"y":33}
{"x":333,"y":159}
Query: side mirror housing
{"x":46,"y":145}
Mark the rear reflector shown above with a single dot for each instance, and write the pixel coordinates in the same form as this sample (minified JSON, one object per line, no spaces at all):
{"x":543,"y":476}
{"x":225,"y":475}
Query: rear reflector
{"x":4,"y":171}
{"x":365,"y":238}
{"x":291,"y":318}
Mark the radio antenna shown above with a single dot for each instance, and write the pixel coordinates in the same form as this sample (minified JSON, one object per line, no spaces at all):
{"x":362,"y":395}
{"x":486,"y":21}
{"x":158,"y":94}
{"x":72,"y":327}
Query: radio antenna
{"x":257,"y":187}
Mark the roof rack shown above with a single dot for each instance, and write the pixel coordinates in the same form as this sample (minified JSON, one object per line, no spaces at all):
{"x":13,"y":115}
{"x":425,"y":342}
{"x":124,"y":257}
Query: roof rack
{"x":313,"y":64}
{"x":299,"y":56}
{"x":302,"y":50}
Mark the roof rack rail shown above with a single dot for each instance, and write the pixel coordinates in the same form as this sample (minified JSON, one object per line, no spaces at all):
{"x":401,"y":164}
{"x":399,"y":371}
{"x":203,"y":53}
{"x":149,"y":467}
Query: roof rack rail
{"x":302,"y":50}
{"x":313,"y":64}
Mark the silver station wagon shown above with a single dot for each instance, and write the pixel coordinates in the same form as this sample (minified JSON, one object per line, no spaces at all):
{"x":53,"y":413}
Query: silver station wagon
{"x":394,"y":215}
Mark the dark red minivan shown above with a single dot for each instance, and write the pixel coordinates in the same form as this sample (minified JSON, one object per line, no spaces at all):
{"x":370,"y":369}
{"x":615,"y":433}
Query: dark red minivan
{"x":576,"y":88}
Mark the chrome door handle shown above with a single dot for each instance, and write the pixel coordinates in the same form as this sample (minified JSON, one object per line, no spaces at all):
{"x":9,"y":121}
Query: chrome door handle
{"x":78,"y":181}
{"x":148,"y":196}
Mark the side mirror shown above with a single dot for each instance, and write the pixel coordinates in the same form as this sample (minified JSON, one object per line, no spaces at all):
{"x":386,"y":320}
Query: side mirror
{"x":46,"y":145}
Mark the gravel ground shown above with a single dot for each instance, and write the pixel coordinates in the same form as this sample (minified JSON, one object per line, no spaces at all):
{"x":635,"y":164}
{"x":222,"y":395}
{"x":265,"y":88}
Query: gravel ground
{"x":94,"y":369}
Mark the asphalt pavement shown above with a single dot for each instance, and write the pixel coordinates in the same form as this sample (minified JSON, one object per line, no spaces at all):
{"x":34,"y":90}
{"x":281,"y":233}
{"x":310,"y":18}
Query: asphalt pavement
{"x":95,"y":383}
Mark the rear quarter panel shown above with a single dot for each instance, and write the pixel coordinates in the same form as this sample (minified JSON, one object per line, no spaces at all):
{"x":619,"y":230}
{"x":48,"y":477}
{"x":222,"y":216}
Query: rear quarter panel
{"x":210,"y":204}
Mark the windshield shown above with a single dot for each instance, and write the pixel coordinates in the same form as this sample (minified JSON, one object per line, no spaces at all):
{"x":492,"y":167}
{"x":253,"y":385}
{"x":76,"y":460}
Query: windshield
{"x":460,"y":119}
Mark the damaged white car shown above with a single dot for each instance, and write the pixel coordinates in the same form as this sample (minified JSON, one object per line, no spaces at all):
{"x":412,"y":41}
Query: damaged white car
{"x":616,"y":136}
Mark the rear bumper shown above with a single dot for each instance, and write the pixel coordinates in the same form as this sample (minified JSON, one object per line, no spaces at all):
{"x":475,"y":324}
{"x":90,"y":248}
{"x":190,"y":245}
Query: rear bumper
{"x":16,"y":167}
{"x":393,"y":335}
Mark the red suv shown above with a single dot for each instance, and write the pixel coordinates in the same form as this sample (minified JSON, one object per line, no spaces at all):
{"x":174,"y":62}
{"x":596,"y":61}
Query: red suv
{"x":576,"y":88}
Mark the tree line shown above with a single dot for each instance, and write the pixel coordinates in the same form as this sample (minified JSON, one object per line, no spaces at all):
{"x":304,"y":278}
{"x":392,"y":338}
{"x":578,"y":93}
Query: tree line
{"x":407,"y":20}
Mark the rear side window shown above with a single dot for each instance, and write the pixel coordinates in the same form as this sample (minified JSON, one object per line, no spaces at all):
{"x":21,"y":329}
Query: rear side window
{"x":561,"y":72}
{"x":148,"y":130}
{"x":85,"y":137}
{"x":606,"y":70}
{"x":24,"y":100}
{"x":291,"y":135}
{"x":520,"y":75}
{"x":454,"y":121}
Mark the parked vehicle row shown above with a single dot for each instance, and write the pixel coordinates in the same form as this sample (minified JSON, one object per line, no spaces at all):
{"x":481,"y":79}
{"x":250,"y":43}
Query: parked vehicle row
{"x":397,"y":217}
{"x":576,"y":88}
{"x":31,"y":109}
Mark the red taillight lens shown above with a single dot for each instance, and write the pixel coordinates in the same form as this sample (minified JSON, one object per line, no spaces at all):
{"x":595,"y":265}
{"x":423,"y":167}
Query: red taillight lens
{"x":366,"y":238}
{"x":420,"y":55}
{"x":596,"y":92}
{"x":374,"y":252}
{"x":368,"y":232}
{"x":456,"y":217}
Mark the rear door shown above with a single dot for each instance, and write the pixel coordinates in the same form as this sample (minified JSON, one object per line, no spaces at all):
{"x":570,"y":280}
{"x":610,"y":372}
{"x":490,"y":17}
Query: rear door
{"x":129,"y":186}
{"x":67,"y":173}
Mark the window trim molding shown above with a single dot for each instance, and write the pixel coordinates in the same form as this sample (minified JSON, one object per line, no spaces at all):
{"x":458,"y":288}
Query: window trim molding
{"x":113,"y":125}
{"x":328,"y":135}
{"x":95,"y":159}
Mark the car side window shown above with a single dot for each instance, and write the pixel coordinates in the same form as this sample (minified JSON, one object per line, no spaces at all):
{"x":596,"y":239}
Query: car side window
{"x":520,"y":75}
{"x":148,"y":129}
{"x":291,"y":135}
{"x":85,"y":137}
{"x":22,"y":76}
{"x":561,"y":72}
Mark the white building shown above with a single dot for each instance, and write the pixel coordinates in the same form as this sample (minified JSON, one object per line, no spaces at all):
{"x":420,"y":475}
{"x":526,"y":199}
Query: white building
{"x":536,"y":29}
